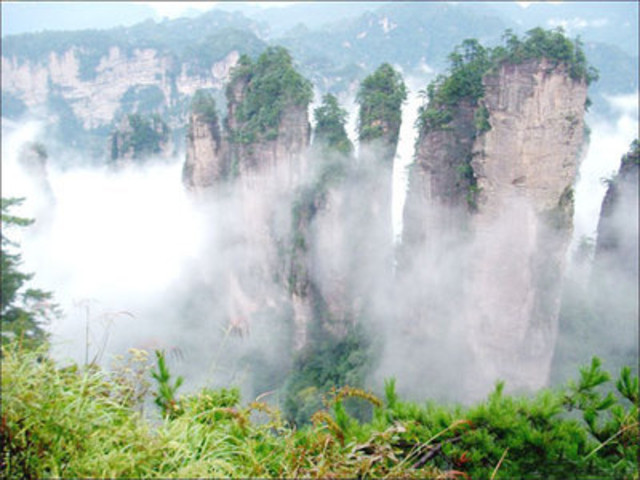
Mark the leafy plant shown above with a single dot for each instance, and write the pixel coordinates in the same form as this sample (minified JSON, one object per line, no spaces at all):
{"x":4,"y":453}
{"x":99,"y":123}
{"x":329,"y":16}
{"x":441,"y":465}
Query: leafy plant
{"x":481,"y":119}
{"x":69,"y":422}
{"x":327,"y":363}
{"x":165,"y":397}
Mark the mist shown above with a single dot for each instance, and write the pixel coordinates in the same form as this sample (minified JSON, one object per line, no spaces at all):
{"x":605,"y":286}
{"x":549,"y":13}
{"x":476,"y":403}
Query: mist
{"x":135,"y":262}
{"x":609,"y":141}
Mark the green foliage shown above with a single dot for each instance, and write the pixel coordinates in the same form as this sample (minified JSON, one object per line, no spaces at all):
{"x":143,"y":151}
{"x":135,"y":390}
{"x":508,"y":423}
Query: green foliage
{"x":270,"y":85}
{"x":144,"y":137}
{"x":165,"y":397}
{"x":204,"y":105}
{"x":73,"y":423}
{"x":552,"y":45}
{"x":470,"y":62}
{"x":481,"y":119}
{"x":330,"y":121}
{"x":215,"y":47}
{"x":380,"y":97}
{"x":326,"y":363}
{"x":23,"y":310}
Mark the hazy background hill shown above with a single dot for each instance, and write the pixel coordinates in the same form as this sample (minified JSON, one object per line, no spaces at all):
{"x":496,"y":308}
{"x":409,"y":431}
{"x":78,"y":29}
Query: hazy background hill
{"x":335,"y":44}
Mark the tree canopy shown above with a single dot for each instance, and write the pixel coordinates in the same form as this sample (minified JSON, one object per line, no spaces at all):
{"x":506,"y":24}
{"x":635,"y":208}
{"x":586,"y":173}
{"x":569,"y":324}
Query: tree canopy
{"x":380,"y":96}
{"x":272,"y":85}
{"x":144,"y":137}
{"x":204,"y":105}
{"x":23,"y":309}
{"x":470,"y":62}
{"x":330,"y":121}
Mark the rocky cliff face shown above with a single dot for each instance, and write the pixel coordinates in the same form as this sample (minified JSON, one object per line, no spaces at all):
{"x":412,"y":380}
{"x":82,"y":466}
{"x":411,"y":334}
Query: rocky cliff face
{"x":266,"y":175}
{"x":95,"y":99}
{"x":617,"y":240}
{"x":613,"y":286}
{"x":495,"y":204}
{"x":255,"y":179}
{"x":207,"y":159}
{"x":435,"y":226}
{"x":344,"y":213}
{"x":525,"y":167}
{"x":439,"y":192}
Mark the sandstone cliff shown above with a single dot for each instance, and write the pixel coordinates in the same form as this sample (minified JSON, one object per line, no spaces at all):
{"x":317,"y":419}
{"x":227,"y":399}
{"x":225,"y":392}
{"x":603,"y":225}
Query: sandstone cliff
{"x":599,"y":313}
{"x":343,"y":230}
{"x":95,"y":100}
{"x":525,"y":167}
{"x":207,"y":159}
{"x":254,"y":166}
{"x":439,"y":184}
{"x":138,"y":138}
{"x":613,"y":286}
{"x":617,"y":240}
{"x":488,"y":220}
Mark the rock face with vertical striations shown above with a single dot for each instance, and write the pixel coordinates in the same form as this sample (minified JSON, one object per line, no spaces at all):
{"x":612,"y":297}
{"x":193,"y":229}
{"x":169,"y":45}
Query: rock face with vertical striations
{"x":206,"y":158}
{"x":525,"y":167}
{"x":613,"y":286}
{"x":617,"y":241}
{"x":253,"y":166}
{"x":95,"y":95}
{"x":488,"y":220}
{"x":343,"y":214}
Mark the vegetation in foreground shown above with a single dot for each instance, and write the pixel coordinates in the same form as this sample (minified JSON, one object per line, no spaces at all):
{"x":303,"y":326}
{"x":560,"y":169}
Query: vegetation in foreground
{"x":86,"y":422}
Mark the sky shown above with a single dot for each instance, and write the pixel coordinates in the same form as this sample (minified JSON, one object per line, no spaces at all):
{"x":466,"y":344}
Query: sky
{"x":176,"y":9}
{"x":22,"y":17}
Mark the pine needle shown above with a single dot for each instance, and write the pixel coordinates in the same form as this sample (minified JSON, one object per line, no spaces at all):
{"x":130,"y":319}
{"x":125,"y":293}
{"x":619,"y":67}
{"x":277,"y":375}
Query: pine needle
{"x":495,"y":470}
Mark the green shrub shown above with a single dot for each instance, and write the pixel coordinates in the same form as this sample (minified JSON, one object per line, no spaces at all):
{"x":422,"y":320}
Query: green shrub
{"x":77,"y":423}
{"x":380,"y":97}
{"x":470,"y":62}
{"x":330,"y":120}
{"x":270,"y":85}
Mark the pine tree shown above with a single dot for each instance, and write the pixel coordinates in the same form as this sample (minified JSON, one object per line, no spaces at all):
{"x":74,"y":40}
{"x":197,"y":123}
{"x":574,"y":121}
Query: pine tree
{"x":23,"y":310}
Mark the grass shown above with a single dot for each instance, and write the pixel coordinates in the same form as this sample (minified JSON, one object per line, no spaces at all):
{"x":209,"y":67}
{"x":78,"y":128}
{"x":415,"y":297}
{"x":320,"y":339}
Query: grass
{"x":86,"y":422}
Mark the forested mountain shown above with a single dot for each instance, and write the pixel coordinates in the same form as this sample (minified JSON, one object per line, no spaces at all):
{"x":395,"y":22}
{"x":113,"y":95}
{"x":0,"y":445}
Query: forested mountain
{"x":335,"y":53}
